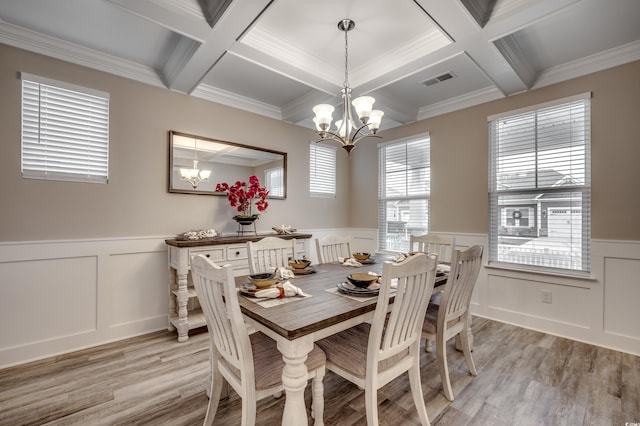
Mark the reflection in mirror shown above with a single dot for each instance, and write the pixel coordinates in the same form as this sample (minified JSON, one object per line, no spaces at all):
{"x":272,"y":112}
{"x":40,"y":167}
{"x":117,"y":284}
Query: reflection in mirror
{"x":197,"y":164}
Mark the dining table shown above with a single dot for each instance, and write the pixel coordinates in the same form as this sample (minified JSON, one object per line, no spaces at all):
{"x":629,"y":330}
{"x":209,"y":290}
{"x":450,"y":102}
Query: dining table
{"x":295,"y":323}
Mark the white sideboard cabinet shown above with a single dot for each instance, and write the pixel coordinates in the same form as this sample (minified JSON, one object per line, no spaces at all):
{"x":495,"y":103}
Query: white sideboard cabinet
{"x":184,"y":310}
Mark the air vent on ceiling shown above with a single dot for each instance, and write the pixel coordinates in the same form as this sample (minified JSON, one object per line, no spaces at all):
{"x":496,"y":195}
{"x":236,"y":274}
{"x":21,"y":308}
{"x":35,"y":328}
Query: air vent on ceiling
{"x":437,"y":79}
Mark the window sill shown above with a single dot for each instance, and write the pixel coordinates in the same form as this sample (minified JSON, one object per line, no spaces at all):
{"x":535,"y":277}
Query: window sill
{"x":574,"y":276}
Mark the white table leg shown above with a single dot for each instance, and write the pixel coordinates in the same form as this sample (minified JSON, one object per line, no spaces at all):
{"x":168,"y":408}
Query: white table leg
{"x":294,"y":379}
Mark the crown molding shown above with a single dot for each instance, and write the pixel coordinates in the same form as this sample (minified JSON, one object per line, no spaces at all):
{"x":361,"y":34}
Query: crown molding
{"x":383,"y":64}
{"x":621,"y":55}
{"x":233,"y":100}
{"x":465,"y":101}
{"x":73,"y":53}
{"x":269,"y":44}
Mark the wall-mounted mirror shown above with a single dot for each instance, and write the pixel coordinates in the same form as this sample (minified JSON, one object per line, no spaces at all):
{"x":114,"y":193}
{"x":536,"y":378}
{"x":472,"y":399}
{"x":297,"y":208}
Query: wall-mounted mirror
{"x":197,"y":164}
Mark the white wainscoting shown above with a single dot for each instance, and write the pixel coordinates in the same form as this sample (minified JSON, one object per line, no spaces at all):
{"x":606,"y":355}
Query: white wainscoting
{"x":61,"y":296}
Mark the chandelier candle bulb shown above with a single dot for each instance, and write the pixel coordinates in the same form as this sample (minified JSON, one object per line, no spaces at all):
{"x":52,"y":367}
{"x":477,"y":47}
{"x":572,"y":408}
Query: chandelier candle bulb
{"x":363,"y":106}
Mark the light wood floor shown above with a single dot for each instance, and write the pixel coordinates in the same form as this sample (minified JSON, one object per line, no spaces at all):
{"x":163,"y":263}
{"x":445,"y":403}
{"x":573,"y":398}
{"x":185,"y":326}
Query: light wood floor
{"x":524,"y":378}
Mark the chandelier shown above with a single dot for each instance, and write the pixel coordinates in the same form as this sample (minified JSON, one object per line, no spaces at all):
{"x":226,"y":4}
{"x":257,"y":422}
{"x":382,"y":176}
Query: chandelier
{"x":363,"y":105}
{"x":195,"y":176}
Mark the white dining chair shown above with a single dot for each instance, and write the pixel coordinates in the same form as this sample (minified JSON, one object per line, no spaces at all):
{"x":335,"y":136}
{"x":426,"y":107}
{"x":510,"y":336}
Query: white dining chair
{"x":332,"y":247}
{"x":452,"y":316}
{"x":270,"y":253}
{"x":440,"y":245}
{"x":371,"y":355}
{"x":251,"y":364}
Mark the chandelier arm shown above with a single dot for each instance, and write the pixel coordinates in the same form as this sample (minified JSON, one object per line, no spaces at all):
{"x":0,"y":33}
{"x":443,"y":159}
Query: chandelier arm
{"x":333,"y":136}
{"x":355,"y":137}
{"x":363,"y":137}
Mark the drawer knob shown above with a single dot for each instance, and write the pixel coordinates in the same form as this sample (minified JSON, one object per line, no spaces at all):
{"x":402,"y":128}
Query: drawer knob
{"x":237,"y":253}
{"x":208,"y":255}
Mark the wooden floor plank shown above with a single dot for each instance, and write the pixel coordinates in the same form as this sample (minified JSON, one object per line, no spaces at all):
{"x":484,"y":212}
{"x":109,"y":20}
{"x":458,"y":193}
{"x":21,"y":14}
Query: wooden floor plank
{"x":524,"y":378}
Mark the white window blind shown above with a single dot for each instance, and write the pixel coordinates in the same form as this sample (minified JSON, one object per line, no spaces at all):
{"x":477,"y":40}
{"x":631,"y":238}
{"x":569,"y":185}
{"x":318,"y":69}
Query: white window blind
{"x":539,"y":186}
{"x":65,"y":131}
{"x":274,"y":181}
{"x":322,"y":170}
{"x":403,"y":191}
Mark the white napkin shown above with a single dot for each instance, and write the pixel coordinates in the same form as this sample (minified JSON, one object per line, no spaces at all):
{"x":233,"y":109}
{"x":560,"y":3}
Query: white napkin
{"x":399,"y":258}
{"x":443,"y":268}
{"x":394,"y":281}
{"x":347,"y":261}
{"x":284,"y":273}
{"x":278,"y":291}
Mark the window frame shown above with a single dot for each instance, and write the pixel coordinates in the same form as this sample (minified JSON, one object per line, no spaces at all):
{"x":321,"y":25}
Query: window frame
{"x":64,"y":131}
{"x":268,"y":180}
{"x":576,"y":195}
{"x":322,"y":177}
{"x":420,"y":196}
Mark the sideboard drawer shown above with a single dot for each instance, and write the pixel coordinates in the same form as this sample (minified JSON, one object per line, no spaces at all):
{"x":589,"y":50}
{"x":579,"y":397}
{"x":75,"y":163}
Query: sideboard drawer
{"x":237,"y":252}
{"x":215,"y":254}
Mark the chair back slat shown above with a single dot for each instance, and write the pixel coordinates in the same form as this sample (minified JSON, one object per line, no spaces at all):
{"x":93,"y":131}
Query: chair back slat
{"x":465,"y":268}
{"x":218,"y":297}
{"x":396,"y":332}
{"x":332,"y":247}
{"x":270,"y":253}
{"x":439,"y":245}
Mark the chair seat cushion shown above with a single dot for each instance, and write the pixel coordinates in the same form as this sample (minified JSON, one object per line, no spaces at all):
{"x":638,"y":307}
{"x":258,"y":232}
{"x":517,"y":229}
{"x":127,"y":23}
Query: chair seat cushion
{"x":348,"y":350}
{"x":436,"y":297}
{"x":430,"y":323}
{"x":268,"y":363}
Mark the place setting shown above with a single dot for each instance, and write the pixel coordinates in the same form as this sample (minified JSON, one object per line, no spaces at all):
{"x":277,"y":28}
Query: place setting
{"x":357,"y":259}
{"x":272,"y":288}
{"x":301,"y":266}
{"x":358,"y":286}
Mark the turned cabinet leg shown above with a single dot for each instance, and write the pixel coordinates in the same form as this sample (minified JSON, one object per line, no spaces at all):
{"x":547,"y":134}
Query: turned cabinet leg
{"x":182,"y":297}
{"x":172,"y":303}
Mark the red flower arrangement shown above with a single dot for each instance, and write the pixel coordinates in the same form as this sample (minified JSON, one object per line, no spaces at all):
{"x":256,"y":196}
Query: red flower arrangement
{"x":241,"y":195}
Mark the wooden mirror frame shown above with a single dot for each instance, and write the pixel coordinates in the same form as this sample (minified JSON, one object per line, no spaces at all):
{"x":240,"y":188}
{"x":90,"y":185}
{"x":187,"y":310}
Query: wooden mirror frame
{"x":228,"y":162}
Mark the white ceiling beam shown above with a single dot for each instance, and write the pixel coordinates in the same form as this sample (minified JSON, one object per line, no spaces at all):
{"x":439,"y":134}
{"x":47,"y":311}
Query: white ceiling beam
{"x":175,"y":15}
{"x":235,"y":21}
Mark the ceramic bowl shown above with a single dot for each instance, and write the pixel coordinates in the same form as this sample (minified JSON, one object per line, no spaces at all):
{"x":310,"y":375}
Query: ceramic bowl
{"x":264,"y":280}
{"x":362,"y":280}
{"x":299,"y":263}
{"x":361,"y":256}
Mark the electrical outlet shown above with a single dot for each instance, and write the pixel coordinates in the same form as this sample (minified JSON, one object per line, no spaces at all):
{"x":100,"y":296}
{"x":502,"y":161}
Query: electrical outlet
{"x":545,"y":296}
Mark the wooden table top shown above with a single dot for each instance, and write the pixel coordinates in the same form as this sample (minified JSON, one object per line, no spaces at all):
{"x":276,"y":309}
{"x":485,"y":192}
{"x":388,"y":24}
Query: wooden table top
{"x":324,"y":309}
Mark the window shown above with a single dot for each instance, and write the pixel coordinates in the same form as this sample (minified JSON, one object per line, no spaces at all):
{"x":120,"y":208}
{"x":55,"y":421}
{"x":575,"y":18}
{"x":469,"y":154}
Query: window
{"x":322,"y":170}
{"x":65,"y":131}
{"x":274,"y":181}
{"x":403,"y":191}
{"x":539,"y":186}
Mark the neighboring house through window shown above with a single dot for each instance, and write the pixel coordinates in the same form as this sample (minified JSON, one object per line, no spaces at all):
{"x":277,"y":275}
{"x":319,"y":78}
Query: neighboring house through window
{"x":539,"y":186}
{"x":404,"y":187}
{"x":65,"y":131}
{"x":322,"y":170}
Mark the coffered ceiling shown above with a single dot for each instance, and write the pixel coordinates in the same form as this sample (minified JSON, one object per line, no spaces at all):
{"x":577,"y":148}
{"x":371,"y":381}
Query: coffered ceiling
{"x":278,"y":58}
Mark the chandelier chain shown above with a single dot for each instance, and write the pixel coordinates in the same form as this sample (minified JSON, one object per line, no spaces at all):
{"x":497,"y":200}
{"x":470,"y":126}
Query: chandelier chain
{"x":346,"y":58}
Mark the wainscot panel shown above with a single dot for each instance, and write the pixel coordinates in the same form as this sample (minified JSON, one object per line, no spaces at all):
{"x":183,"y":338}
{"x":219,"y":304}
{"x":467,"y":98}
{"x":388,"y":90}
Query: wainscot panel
{"x":61,"y":296}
